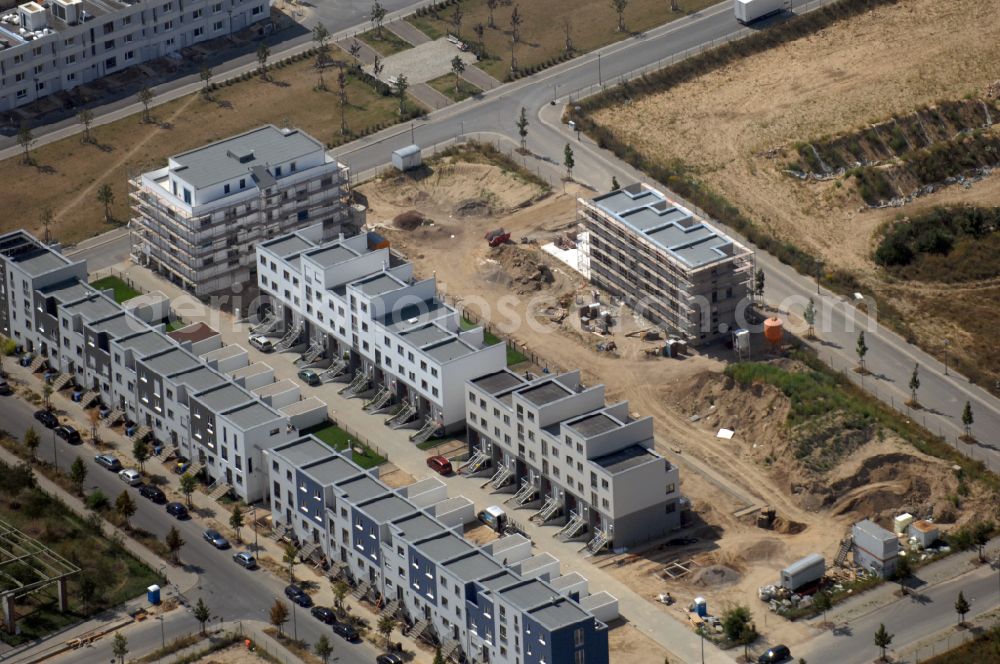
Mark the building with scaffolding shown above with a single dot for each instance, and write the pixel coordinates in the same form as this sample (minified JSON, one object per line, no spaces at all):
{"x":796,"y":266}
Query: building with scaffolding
{"x":27,"y":566}
{"x":358,"y":314}
{"x":670,"y":265}
{"x":197,"y":219}
{"x":554,"y":444}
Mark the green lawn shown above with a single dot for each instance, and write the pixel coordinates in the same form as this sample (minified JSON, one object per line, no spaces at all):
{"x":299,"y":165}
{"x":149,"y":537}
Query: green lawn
{"x":123,"y":290}
{"x":428,"y":26}
{"x":490,"y":339}
{"x":389,"y":43}
{"x":174,"y":324}
{"x":446,"y":86}
{"x":338,"y":439}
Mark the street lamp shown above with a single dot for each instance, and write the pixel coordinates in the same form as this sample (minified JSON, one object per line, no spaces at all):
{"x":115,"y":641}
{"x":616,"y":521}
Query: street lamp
{"x":701,"y":633}
{"x":295,"y":622}
{"x":163,"y":635}
{"x":946,"y":343}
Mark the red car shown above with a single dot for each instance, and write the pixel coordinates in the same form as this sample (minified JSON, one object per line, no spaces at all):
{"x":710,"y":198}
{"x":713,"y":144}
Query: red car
{"x":440,"y":465}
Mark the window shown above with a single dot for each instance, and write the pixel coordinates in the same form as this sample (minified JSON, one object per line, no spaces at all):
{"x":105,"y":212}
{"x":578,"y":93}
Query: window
{"x":257,"y":10}
{"x":129,"y":55}
{"x":225,"y":190}
{"x":277,"y":171}
{"x":198,"y":32}
{"x":671,"y":488}
{"x":578,"y":657}
{"x":604,"y":484}
{"x":109,"y":44}
{"x":217,"y":26}
{"x":243,"y":185}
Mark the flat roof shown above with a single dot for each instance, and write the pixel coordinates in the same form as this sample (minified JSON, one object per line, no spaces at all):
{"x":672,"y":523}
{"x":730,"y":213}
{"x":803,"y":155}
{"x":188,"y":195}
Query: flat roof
{"x":400,"y":319}
{"x":199,"y":379}
{"x":444,"y":548}
{"x":545,"y":393}
{"x":502,"y":580}
{"x":172,"y":361}
{"x":227,"y":351}
{"x":427,"y":334}
{"x":595,"y":424}
{"x":40,"y":261}
{"x":473,"y":567}
{"x":252,"y":415}
{"x":146,"y":343}
{"x":331,"y":470}
{"x":362,"y":488}
{"x":194,"y":332}
{"x":387,"y":508}
{"x":118,"y":326}
{"x":68,"y":291}
{"x":878,"y":532}
{"x":288,"y":245}
{"x":559,"y":614}
{"x":673,"y":229}
{"x":224,"y":398}
{"x":251,"y":370}
{"x":276,"y":387}
{"x":418,"y":526}
{"x":622,"y":460}
{"x":499,"y":381}
{"x":306,"y":405}
{"x":377,"y":284}
{"x":528,"y":594}
{"x":232,"y":157}
{"x":94,"y":307}
{"x":303,"y":451}
{"x":449,"y":350}
{"x":331,"y":255}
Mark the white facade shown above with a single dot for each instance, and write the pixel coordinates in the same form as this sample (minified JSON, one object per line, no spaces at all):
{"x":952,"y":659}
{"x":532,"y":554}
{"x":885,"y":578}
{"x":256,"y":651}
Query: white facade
{"x":66,"y":43}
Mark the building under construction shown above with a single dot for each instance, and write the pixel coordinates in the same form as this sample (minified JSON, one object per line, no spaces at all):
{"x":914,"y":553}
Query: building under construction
{"x":668,"y":264}
{"x":198,"y":219}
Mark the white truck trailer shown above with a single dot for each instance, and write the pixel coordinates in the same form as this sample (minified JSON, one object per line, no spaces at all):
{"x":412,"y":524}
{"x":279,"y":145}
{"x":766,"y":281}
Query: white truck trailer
{"x":751,"y":10}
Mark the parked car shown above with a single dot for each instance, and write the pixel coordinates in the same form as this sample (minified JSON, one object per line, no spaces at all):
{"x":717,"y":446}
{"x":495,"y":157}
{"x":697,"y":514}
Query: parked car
{"x":346,"y":630}
{"x":309,"y":377}
{"x":130,"y":477}
{"x":776,"y":654}
{"x":108,"y":461}
{"x":297,"y":595}
{"x":245,"y":559}
{"x":215,"y":538}
{"x":440,"y":465}
{"x":5,"y":387}
{"x":323,"y":614}
{"x":69,"y":434}
{"x":261,"y":343}
{"x":153,"y":493}
{"x":388,"y":658}
{"x":177,"y":510}
{"x":47,"y":418}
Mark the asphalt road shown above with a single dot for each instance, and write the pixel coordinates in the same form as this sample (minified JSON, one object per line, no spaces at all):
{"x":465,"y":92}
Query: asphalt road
{"x":231,"y":592}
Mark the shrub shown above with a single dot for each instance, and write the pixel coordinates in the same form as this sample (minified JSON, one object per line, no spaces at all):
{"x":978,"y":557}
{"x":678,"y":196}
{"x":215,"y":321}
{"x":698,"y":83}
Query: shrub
{"x":96,"y":500}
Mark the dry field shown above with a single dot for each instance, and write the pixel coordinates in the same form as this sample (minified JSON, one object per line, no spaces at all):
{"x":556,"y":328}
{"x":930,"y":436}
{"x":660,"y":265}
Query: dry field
{"x":68,"y":173}
{"x":814,"y":509}
{"x":855,"y":73}
{"x":543,"y":32}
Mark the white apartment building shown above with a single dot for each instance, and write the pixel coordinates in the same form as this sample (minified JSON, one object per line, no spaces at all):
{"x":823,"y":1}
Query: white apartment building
{"x":197,"y":219}
{"x":495,"y":603}
{"x":54,"y":46}
{"x":555,"y":444}
{"x":359,"y":312}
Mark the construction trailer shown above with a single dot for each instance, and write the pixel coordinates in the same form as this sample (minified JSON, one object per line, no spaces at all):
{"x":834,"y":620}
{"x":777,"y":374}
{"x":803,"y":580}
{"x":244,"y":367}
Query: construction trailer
{"x":803,"y":572}
{"x":408,"y":158}
{"x":875,"y":548}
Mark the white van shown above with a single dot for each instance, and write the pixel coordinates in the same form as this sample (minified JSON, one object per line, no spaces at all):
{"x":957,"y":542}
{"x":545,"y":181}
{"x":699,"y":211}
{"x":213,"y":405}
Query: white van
{"x":261,"y":343}
{"x":130,"y":477}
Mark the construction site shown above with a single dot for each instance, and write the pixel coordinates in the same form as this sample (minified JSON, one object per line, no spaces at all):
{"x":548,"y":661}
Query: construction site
{"x":767,"y":485}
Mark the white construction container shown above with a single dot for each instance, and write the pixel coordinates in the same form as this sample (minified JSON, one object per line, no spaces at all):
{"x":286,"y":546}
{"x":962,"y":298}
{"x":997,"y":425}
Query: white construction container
{"x":875,"y":548}
{"x":748,"y":11}
{"x":803,"y":572}
{"x":902,"y":522}
{"x":406,"y":158}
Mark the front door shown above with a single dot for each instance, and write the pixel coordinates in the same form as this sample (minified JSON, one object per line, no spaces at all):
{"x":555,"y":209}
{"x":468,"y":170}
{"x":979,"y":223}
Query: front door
{"x":229,"y":475}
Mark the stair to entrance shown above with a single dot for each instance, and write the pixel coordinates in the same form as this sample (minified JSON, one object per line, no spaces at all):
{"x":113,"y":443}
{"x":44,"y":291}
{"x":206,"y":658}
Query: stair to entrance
{"x":195,"y":468}
{"x":549,"y":509}
{"x":290,"y":338}
{"x":449,"y":648}
{"x":361,"y":590}
{"x":426,"y":432}
{"x":219,"y":489}
{"x":379,"y":401}
{"x":525,"y":494}
{"x":573,"y":527}
{"x":404,"y":415}
{"x":476,"y":462}
{"x":500,"y":478}
{"x":114,"y":416}
{"x":312,"y":353}
{"x":845,"y":548}
{"x":390,"y":609}
{"x":141,"y":433}
{"x":358,"y":384}
{"x":38,"y":363}
{"x":61,"y":381}
{"x":268,"y":325}
{"x":331,"y":372}
{"x":419,"y":629}
{"x":599,"y":541}
{"x":89,"y":398}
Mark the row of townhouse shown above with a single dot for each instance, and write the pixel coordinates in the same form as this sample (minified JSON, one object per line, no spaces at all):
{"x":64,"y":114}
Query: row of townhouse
{"x":493,"y":603}
{"x":57,"y":45}
{"x":360,"y":311}
{"x":184,"y":388}
{"x":555,"y":445}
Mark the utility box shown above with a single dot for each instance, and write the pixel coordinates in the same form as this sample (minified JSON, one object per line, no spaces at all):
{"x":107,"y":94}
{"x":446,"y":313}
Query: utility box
{"x":803,"y":572}
{"x":405,"y":159}
{"x":875,"y":548}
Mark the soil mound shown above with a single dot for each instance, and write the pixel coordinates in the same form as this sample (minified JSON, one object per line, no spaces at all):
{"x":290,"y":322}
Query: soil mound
{"x":474,"y":207}
{"x":519,"y":269}
{"x":409,"y":220}
{"x":715,"y":575}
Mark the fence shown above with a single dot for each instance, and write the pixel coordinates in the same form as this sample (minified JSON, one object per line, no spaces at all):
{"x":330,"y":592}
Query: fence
{"x":118,"y":274}
{"x":362,"y":440}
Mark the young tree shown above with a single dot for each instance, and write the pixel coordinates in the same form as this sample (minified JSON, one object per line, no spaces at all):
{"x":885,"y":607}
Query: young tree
{"x":914,"y":385}
{"x":174,"y":542}
{"x":236,"y":520}
{"x":810,"y":317}
{"x":386,"y":624}
{"x":377,"y":17}
{"x":377,"y":67}
{"x":438,"y":657}
{"x":206,"y":79}
{"x":323,"y":649}
{"x":263,"y":53}
{"x":456,"y":20}
{"x":747,"y":636}
{"x":320,"y":36}
{"x":758,"y":283}
{"x":568,"y":32}
{"x":119,"y":647}
{"x":401,"y":86}
{"x":614,"y":184}
{"x":290,"y":557}
{"x":342,"y":100}
{"x":46,"y":219}
{"x":457,"y":68}
{"x":961,"y":607}
{"x":78,"y":475}
{"x":86,"y":118}
{"x":491,"y":5}
{"x":279,"y":615}
{"x":516,"y":20}
{"x":145,"y":97}
{"x":140,"y":450}
{"x":202,"y":613}
{"x":568,"y":161}
{"x":734,"y":619}
{"x":188,"y":485}
{"x":675,"y":6}
{"x":883,"y":639}
{"x":967,"y":420}
{"x":106,"y":197}
{"x":125,"y":507}
{"x":94,"y":415}
{"x":822,"y":601}
{"x":354,"y":49}
{"x":32,"y":441}
{"x":340,"y":590}
{"x":862,"y":349}
{"x":904,"y":570}
{"x":981,"y":536}
{"x":522,"y":128}
{"x":25,"y":139}
{"x":479,"y":30}
{"x":87,"y":589}
{"x":47,"y":396}
{"x":619,"y":6}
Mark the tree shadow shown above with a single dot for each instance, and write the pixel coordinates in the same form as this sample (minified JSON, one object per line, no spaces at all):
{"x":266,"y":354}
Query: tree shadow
{"x":842,"y":630}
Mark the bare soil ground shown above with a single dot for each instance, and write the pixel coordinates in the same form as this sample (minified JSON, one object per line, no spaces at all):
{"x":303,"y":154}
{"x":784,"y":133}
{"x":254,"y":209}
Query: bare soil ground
{"x":733,"y":557}
{"x":839,"y":80}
